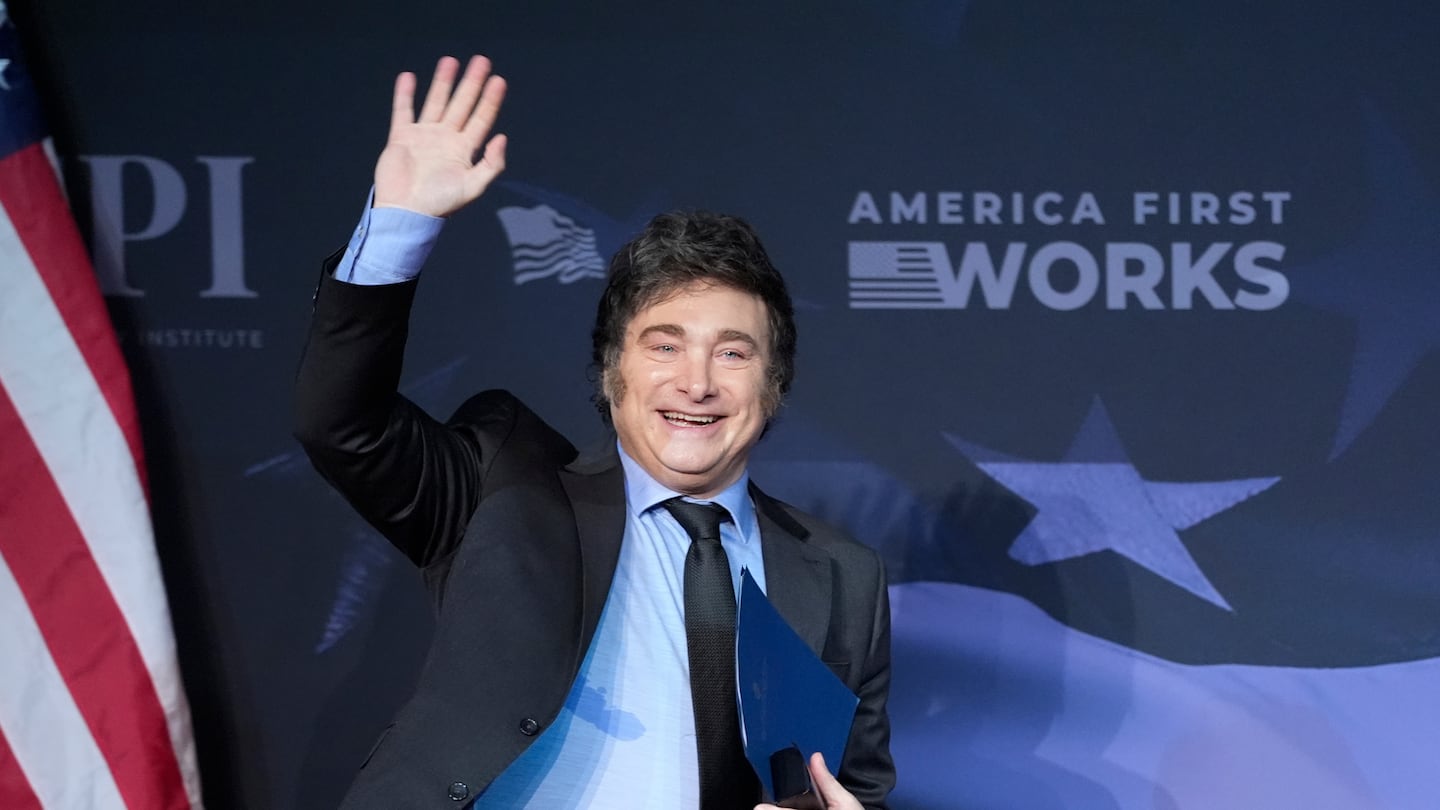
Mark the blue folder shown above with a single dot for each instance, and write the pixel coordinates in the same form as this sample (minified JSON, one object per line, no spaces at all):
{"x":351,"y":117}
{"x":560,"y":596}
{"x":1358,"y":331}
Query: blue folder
{"x":788,"y":697}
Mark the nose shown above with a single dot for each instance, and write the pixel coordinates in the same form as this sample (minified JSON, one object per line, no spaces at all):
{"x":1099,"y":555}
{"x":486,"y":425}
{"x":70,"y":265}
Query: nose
{"x":698,"y":381}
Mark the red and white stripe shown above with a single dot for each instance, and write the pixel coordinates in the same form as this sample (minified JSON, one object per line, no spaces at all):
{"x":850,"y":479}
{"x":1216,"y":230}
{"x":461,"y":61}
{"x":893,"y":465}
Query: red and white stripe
{"x":92,"y":709}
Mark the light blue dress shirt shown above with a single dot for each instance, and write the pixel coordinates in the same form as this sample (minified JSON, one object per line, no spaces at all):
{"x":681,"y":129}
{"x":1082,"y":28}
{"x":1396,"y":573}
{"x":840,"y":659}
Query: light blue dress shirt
{"x":389,"y":246}
{"x":625,"y":737}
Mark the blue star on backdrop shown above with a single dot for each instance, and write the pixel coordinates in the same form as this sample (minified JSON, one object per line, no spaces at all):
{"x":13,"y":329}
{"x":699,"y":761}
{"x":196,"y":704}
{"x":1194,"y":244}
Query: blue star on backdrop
{"x":1387,"y":278}
{"x":1095,"y":500}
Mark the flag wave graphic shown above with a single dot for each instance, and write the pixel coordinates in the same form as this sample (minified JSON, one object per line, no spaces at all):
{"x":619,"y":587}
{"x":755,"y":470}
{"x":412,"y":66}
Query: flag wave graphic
{"x":545,"y":243}
{"x":996,"y":704}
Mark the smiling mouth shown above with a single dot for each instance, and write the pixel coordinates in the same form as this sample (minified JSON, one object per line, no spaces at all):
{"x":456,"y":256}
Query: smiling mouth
{"x":688,"y":420}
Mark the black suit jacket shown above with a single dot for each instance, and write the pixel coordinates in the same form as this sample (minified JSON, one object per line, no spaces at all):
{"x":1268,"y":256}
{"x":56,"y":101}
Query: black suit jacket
{"x":518,"y":540}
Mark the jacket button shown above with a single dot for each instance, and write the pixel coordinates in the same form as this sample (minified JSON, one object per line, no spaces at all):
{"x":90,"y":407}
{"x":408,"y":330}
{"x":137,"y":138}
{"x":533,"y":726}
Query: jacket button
{"x":528,"y":727}
{"x":459,"y":792}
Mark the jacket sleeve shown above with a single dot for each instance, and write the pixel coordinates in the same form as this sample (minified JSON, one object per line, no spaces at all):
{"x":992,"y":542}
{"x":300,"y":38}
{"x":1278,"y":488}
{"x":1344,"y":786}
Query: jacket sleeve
{"x":868,"y":771}
{"x":414,"y":479}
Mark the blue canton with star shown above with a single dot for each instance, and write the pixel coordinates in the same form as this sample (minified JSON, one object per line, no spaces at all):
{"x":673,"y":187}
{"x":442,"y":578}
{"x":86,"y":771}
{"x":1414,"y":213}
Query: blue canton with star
{"x":20,"y":124}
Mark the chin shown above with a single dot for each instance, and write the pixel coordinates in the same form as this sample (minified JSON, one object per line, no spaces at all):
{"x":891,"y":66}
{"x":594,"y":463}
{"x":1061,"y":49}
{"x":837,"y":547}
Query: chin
{"x":695,"y":477}
{"x":693,"y":472}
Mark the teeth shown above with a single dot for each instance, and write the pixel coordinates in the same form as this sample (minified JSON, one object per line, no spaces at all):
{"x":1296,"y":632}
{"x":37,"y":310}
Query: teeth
{"x":676,"y":416}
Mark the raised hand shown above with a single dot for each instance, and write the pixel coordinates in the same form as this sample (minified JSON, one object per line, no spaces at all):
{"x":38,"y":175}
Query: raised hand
{"x":429,"y":164}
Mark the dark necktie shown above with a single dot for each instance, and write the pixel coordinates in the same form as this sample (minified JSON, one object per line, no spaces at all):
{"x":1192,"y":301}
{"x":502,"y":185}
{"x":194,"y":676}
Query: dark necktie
{"x":727,"y":782}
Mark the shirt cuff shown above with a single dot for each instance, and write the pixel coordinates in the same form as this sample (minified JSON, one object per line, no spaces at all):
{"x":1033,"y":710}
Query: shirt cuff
{"x":389,"y":245}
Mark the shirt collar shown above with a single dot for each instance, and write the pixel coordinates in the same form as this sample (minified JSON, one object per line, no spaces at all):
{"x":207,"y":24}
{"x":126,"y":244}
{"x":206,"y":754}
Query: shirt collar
{"x":642,"y":492}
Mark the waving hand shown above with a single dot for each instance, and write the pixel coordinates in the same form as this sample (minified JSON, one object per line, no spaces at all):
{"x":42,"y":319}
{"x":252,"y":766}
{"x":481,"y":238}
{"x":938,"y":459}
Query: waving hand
{"x":429,"y":164}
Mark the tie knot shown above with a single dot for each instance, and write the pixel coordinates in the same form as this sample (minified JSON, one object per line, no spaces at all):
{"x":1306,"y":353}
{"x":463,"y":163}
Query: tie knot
{"x":699,"y":520}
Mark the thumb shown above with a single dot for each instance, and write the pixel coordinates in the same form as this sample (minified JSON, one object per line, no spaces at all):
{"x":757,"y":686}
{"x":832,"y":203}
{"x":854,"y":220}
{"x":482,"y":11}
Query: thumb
{"x":827,"y":785}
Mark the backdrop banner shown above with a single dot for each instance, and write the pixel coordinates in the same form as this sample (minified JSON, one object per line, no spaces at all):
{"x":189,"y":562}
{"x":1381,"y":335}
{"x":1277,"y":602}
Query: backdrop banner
{"x":1118,"y":340}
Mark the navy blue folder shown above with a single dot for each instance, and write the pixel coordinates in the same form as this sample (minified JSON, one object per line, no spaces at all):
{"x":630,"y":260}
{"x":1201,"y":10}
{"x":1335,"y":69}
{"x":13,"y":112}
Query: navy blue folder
{"x":787,"y":696}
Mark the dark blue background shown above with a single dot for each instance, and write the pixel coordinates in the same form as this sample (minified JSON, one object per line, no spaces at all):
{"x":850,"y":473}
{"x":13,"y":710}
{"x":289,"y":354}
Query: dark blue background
{"x":300,"y":631}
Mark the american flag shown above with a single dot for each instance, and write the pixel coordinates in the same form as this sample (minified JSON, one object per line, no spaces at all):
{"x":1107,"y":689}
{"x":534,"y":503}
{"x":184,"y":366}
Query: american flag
{"x":92,"y":710}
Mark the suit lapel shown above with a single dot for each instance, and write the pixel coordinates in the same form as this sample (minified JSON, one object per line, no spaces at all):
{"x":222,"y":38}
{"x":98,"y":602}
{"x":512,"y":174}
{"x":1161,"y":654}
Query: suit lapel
{"x":596,"y":489}
{"x":797,"y":574}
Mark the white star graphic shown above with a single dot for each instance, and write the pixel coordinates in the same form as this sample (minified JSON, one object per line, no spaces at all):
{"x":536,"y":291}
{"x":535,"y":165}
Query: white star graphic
{"x":4,"y":63}
{"x":1095,"y":500}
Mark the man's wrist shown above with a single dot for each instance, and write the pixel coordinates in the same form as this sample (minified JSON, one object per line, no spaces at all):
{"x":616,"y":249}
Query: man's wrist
{"x":389,"y":246}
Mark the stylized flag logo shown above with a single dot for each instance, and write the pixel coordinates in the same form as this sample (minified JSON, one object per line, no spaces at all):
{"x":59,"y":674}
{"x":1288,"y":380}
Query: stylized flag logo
{"x":900,"y":275}
{"x":920,"y":275}
{"x":545,"y":243}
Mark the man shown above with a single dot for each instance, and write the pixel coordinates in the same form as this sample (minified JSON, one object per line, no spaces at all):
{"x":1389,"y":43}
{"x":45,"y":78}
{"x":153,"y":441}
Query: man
{"x":576,"y":599}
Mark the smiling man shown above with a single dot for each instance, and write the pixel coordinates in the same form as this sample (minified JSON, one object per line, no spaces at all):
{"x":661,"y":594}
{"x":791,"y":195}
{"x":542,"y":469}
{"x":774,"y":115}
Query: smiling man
{"x":691,"y":390}
{"x":584,"y":642}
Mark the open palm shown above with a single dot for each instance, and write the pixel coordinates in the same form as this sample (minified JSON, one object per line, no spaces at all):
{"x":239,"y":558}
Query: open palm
{"x":428,"y":164}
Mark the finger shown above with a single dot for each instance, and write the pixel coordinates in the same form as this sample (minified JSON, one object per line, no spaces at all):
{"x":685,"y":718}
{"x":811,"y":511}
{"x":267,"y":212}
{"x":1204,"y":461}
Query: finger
{"x":402,"y":104}
{"x":488,"y":168}
{"x":830,"y":790}
{"x":439,"y":92}
{"x":495,"y":153}
{"x":463,"y":102}
{"x":486,"y":111}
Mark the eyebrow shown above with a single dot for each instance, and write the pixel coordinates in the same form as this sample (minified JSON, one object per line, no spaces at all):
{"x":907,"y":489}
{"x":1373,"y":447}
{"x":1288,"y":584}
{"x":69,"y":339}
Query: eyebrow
{"x":728,"y":335}
{"x":673,"y":330}
{"x":677,"y":331}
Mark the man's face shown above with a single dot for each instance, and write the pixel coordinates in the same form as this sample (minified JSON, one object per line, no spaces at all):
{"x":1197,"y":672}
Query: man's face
{"x":689,"y":401}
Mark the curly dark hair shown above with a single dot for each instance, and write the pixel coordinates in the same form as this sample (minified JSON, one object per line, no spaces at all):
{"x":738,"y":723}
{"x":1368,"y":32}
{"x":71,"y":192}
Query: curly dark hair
{"x":675,"y":250}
